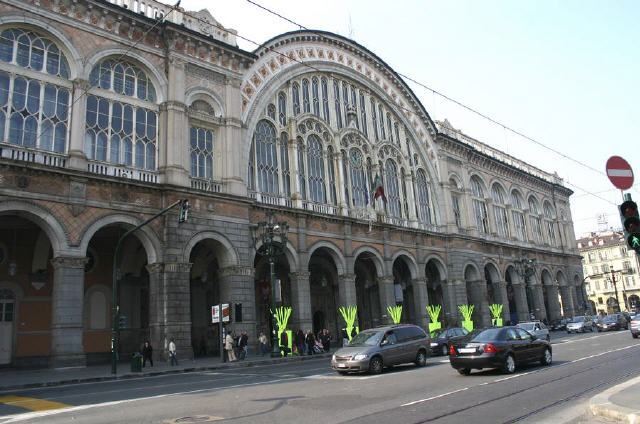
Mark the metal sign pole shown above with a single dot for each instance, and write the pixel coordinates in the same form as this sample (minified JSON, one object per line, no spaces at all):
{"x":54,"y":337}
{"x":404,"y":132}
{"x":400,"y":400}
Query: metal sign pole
{"x":221,"y":332}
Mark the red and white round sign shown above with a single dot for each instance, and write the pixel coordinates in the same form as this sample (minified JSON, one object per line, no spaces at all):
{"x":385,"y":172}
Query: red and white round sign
{"x":619,"y":172}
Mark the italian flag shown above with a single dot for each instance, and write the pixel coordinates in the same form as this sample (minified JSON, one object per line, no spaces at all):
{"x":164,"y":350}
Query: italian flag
{"x":378,"y":189}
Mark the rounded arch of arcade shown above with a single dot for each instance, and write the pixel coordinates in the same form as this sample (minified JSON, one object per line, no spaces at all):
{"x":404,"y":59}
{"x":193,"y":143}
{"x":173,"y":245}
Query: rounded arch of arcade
{"x":228,"y":257}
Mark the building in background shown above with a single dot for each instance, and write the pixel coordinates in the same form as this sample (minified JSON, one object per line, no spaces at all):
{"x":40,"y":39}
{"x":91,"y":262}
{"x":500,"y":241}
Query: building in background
{"x":611,"y":272}
{"x":112,"y":110}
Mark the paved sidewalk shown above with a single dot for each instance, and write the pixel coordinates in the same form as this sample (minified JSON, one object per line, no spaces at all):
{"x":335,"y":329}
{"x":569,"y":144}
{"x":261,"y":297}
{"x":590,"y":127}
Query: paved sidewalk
{"x":12,"y":379}
{"x":620,"y":403}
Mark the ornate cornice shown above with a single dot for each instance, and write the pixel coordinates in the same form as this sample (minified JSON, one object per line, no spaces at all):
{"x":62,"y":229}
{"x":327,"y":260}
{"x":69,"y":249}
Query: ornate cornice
{"x":68,"y":262}
{"x":177,"y":267}
{"x":236,"y":270}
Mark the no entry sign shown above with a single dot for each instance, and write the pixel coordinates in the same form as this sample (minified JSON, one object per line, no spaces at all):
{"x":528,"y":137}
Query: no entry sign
{"x":619,"y":172}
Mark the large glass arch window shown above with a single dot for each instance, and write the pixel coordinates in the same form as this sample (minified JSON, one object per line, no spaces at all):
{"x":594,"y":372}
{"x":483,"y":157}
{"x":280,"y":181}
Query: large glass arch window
{"x":424,"y":206}
{"x":317,"y":188}
{"x":284,"y":160}
{"x":331,"y":176}
{"x":201,"y":152}
{"x":35,"y":91}
{"x":499,"y":210}
{"x":264,"y":139}
{"x":534,"y":218}
{"x":121,"y":116}
{"x":479,"y":205}
{"x":392,"y":189}
{"x":550,"y":217}
{"x":358,"y":178}
{"x":519,"y":223}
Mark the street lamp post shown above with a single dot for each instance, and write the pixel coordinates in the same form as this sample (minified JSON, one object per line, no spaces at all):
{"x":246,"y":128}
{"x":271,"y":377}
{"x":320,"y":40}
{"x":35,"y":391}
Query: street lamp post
{"x":526,"y":268}
{"x":269,"y":239}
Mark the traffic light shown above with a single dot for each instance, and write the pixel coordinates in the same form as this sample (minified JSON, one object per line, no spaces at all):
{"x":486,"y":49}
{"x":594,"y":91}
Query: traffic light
{"x":631,"y":223}
{"x":184,"y":211}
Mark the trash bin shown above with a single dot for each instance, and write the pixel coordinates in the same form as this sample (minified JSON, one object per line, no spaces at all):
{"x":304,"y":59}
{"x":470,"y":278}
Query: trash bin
{"x":136,"y":362}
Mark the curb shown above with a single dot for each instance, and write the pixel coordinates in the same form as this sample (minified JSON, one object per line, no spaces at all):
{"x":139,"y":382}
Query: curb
{"x":130,"y":375}
{"x":601,"y":405}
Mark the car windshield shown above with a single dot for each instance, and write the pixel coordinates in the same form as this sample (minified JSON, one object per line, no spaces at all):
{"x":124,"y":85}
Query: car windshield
{"x":439,"y":334}
{"x":366,"y":338}
{"x":609,"y":319}
{"x":488,"y":335}
{"x":529,"y":326}
{"x":578,"y":319}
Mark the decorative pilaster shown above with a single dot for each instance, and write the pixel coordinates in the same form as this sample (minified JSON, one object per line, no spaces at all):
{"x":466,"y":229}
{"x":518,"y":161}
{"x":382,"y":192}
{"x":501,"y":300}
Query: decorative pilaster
{"x":477,"y":295}
{"x":554,"y":305}
{"x":77,"y":158}
{"x":520,"y":293}
{"x":540,"y":311}
{"x":237,"y":287}
{"x":501,"y":287}
{"x":568,"y":308}
{"x":387,"y":297}
{"x":420,"y":302}
{"x":67,"y":306}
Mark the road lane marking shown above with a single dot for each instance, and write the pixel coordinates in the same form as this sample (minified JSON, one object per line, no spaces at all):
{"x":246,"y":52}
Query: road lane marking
{"x":32,"y":404}
{"x":436,"y":397}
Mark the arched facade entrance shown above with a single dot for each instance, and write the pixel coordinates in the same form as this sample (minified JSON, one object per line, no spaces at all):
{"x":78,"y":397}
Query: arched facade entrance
{"x":436,"y":293}
{"x":323,"y":286}
{"x":580,"y":295}
{"x":368,"y":290}
{"x":566,"y":295}
{"x":496,"y":291}
{"x":516,"y":296}
{"x":263,"y":292}
{"x":404,"y":290}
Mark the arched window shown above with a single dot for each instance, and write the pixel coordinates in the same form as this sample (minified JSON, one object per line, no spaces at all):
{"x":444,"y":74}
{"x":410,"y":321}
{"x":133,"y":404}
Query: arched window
{"x":325,"y":99}
{"x":119,"y":130}
{"x":282,"y":108}
{"x":306,"y":104}
{"x":264,"y":140}
{"x":332,"y":175}
{"x":284,"y":160}
{"x":271,"y":111}
{"x":316,"y":96}
{"x":338,"y":106}
{"x":392,"y":192}
{"x":35,"y":92}
{"x":201,"y":152}
{"x":550,"y":217}
{"x":479,"y":205}
{"x":403,"y":184}
{"x":424,"y":207}
{"x":499,"y":210}
{"x":358,"y":178}
{"x":295,"y":93}
{"x":455,"y":202}
{"x":363,"y":114}
{"x":374,"y":119}
{"x":519,"y":223}
{"x":302,"y":175}
{"x":381,"y":116}
{"x":317,"y":190}
{"x":354,"y":103}
{"x":345,"y":102}
{"x":534,"y":218}
{"x":397,"y":129}
{"x":390,"y":127}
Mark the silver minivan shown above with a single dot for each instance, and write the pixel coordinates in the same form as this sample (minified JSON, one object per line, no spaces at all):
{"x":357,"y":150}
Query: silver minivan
{"x":372,"y":350}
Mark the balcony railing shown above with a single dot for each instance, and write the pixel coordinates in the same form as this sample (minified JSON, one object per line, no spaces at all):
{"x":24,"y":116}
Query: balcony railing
{"x":271,"y":199}
{"x":9,"y":151}
{"x":206,"y":185}
{"x":101,"y":168}
{"x":319,"y":208}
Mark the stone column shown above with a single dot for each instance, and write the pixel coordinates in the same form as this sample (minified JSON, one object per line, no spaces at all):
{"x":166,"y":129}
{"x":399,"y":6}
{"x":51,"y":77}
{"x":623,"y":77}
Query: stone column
{"x":77,"y":158}
{"x":420,"y":302}
{"x":387,"y":298}
{"x":520,"y":293}
{"x":501,"y":290}
{"x":538,"y":302}
{"x":554,"y":305}
{"x":301,"y":300}
{"x":347,"y":290}
{"x":237,"y":288}
{"x":170,"y":296}
{"x":477,"y":295}
{"x":567,"y":302}
{"x":450,"y":306}
{"x":67,"y":305}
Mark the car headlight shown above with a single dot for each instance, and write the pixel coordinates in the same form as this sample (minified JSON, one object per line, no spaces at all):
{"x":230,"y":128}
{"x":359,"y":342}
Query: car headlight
{"x":360,"y":357}
{"x":333,"y":358}
{"x":434,"y":344}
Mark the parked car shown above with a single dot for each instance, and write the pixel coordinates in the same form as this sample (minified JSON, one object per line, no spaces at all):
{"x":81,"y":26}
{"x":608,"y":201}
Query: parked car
{"x":580,"y":324}
{"x":612,"y":322}
{"x":536,"y":328}
{"x":372,"y":350}
{"x":504,"y":348}
{"x":440,"y":343}
{"x":634,"y":326}
{"x":558,"y":325}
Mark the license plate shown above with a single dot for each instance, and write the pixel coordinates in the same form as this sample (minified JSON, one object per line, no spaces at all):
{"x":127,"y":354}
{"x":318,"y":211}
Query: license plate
{"x":342,"y":365}
{"x":467,"y":350}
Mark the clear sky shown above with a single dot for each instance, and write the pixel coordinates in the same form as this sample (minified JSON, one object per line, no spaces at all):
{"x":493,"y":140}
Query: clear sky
{"x":565,"y":73}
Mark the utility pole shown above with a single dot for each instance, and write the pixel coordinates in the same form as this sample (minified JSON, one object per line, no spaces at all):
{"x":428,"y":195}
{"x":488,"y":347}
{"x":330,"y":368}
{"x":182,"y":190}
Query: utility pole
{"x":615,"y":287}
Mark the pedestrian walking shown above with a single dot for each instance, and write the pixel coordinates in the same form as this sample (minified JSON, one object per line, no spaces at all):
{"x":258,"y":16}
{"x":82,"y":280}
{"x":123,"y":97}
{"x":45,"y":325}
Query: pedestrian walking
{"x":345,"y":337}
{"x":326,"y":340}
{"x":264,"y":348}
{"x":243,"y":345}
{"x":147,"y":354}
{"x":299,"y":342}
{"x":228,"y":346}
{"x":284,"y":343}
{"x":172,"y":353}
{"x":311,"y":341}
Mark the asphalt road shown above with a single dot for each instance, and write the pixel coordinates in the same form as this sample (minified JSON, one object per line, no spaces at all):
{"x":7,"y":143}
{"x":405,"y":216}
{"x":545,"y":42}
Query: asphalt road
{"x":310,"y":392}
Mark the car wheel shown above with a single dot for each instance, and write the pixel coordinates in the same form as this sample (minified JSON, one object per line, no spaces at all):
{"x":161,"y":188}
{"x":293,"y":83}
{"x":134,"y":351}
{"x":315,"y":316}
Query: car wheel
{"x":421,"y":359}
{"x":444,"y":350}
{"x":375,"y":365}
{"x":509,"y":365}
{"x":546,"y":357}
{"x":635,"y":336}
{"x":464,"y":371}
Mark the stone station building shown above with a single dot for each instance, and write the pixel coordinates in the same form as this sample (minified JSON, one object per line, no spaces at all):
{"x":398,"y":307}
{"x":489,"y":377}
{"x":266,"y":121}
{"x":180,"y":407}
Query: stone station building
{"x":110,"y":111}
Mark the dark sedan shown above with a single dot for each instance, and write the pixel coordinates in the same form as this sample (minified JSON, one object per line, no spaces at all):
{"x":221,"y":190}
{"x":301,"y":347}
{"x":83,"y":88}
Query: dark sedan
{"x":440,"y":341}
{"x":612,"y":322}
{"x":503,"y":348}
